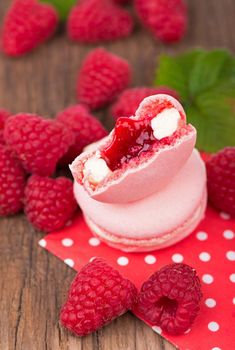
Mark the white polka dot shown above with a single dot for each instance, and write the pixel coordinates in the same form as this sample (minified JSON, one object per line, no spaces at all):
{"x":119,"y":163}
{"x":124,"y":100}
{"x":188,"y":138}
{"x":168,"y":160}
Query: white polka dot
{"x":122,"y":261}
{"x":94,"y":242}
{"x":228,"y":234}
{"x":157,"y":329}
{"x":210,"y":302}
{"x":213,"y":326}
{"x":234,"y":300}
{"x":204,"y":256}
{"x":69,"y":262}
{"x":202,"y":236}
{"x":232,"y":277}
{"x":230,"y":255}
{"x":224,"y":216}
{"x":177,"y":258}
{"x":216,"y":348}
{"x":150,"y":259}
{"x":42,"y":243}
{"x":208,"y":279}
{"x":67,"y":242}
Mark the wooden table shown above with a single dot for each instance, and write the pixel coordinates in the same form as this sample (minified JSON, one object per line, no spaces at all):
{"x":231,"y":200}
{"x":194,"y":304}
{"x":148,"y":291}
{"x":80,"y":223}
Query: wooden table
{"x":32,"y":281}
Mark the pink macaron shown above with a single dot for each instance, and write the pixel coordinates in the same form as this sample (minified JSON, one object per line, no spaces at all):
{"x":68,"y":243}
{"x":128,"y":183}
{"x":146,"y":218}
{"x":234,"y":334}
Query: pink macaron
{"x":140,"y":156}
{"x":156,"y":221}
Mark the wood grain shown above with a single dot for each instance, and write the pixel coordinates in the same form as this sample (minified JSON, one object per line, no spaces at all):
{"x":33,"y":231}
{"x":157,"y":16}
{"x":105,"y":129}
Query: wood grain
{"x":33,"y":282}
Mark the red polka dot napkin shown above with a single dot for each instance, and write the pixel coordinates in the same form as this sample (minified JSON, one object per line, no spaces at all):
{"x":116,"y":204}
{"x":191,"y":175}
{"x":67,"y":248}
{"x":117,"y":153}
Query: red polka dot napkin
{"x":210,"y":249}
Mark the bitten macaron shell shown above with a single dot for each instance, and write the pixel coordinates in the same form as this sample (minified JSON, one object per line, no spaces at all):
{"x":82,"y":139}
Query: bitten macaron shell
{"x":145,"y":177}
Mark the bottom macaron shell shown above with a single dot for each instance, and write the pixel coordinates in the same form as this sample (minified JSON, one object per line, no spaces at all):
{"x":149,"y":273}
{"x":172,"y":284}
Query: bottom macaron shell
{"x":155,"y":243}
{"x":156,"y":221}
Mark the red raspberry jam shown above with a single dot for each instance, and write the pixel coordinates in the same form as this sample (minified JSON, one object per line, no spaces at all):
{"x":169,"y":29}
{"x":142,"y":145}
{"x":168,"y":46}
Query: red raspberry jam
{"x":133,"y":137}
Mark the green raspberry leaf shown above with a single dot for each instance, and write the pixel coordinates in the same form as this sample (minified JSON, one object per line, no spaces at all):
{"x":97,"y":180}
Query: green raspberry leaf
{"x":63,"y":7}
{"x":206,"y":70}
{"x":174,"y":72}
{"x":198,"y":121}
{"x":170,"y":74}
{"x":206,"y":84}
{"x":187,"y":60}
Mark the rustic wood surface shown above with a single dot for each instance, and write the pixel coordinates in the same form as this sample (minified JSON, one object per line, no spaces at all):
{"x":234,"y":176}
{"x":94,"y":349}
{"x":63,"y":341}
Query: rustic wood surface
{"x":32,"y":281}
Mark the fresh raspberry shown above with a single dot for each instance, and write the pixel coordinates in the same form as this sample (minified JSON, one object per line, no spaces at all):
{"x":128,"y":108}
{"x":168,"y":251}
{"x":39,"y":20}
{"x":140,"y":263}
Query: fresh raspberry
{"x":122,"y":2}
{"x":129,"y":100}
{"x":3,"y":117}
{"x":170,"y":298}
{"x":12,"y":183}
{"x":49,"y":203}
{"x":84,"y":125}
{"x":27,"y":24}
{"x":97,"y":295}
{"x":38,"y":143}
{"x":166,"y":19}
{"x":102,"y":77}
{"x":93,"y":21}
{"x":221,"y":180}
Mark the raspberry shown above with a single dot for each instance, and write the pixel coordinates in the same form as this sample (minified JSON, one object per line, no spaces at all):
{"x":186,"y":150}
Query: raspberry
{"x":129,"y":100}
{"x":27,"y":24}
{"x":97,"y":295}
{"x":84,"y":125}
{"x":170,"y":298}
{"x":93,"y":21}
{"x":102,"y":77}
{"x":12,"y":183}
{"x":122,"y":2}
{"x":38,"y":143}
{"x":221,"y":180}
{"x":3,"y":117}
{"x":49,"y":203}
{"x":166,"y":19}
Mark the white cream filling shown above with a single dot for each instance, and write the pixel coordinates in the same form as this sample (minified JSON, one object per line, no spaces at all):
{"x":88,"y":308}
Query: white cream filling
{"x":95,"y":169}
{"x":165,"y":123}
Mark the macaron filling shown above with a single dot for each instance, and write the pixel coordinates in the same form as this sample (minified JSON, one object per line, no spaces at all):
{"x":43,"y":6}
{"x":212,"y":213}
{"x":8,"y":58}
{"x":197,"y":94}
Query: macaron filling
{"x":134,"y":138}
{"x":96,"y":169}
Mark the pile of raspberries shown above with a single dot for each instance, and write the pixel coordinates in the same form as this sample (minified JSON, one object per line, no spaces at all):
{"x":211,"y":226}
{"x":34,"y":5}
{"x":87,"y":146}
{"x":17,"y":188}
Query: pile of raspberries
{"x":32,"y":147}
{"x":29,"y":23}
